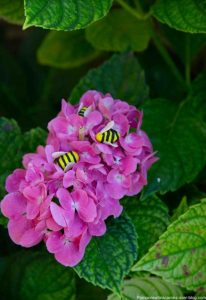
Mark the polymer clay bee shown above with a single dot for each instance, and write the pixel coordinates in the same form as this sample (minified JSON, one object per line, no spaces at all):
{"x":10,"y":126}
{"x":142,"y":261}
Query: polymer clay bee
{"x":108,"y":135}
{"x":65,"y":160}
{"x":84,"y":110}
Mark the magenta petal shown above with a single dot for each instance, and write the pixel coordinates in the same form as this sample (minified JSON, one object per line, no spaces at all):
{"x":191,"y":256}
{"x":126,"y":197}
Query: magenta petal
{"x":86,"y":206}
{"x":13,"y":181}
{"x":93,"y":119}
{"x":54,"y":242}
{"x":32,"y":210}
{"x":31,"y":237}
{"x":115,"y":191}
{"x":65,"y":200}
{"x":13,"y":205}
{"x":17,"y":227}
{"x":59,"y":215}
{"x":76,"y":227}
{"x":129,"y":164}
{"x":98,"y":229}
{"x":69,"y":255}
{"x":69,"y":179}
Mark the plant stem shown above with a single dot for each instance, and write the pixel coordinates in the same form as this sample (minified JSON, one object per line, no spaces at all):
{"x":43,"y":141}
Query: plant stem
{"x":187,"y":60}
{"x":164,"y":53}
{"x":137,"y":14}
{"x":157,"y":41}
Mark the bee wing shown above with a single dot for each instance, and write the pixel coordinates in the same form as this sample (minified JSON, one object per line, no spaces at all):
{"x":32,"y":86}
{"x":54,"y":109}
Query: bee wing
{"x":55,"y":155}
{"x":80,"y":107}
{"x":107,"y":127}
{"x":89,"y":109}
{"x":110,"y":144}
{"x":69,"y":166}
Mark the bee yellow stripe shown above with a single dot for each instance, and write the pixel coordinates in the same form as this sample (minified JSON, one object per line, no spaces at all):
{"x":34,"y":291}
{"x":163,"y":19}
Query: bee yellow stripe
{"x":62,"y":163}
{"x":76,"y":156}
{"x":110,"y":136}
{"x":66,"y":159}
{"x":70,"y":157}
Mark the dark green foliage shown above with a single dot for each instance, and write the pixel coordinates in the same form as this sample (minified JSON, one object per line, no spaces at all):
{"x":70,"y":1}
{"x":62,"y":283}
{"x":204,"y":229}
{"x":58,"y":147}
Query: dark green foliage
{"x":100,"y":266}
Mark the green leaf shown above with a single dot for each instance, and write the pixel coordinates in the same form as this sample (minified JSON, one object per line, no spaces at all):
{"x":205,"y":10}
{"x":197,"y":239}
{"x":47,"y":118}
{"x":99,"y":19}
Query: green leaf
{"x":109,"y":258}
{"x":179,"y":255}
{"x":12,"y":11}
{"x":13,"y":144}
{"x":119,"y":31}
{"x":10,"y":144}
{"x":146,"y":287}
{"x":150,"y":218}
{"x":121,"y":76}
{"x":69,"y":50}
{"x":45,"y":279}
{"x":181,"y":209}
{"x":32,"y":275}
{"x":187,"y":46}
{"x":3,"y":220}
{"x":65,"y":14}
{"x":198,"y":95}
{"x":178,"y":135}
{"x":184,"y":15}
{"x":33,"y":138}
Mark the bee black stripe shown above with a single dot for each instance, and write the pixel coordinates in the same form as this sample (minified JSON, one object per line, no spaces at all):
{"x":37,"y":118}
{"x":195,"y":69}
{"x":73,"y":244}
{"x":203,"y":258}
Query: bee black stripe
{"x":103,"y":137}
{"x":73,"y":156}
{"x":108,"y":134}
{"x":113,"y":135}
{"x":65,"y":163}
{"x":69,"y":159}
{"x":59,"y":163}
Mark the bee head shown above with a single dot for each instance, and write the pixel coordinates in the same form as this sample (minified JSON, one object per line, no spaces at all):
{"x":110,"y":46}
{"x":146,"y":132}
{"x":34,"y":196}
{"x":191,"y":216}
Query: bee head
{"x":99,"y":137}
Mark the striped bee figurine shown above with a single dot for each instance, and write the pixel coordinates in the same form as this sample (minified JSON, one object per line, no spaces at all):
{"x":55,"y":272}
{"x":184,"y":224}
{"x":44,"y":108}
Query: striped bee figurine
{"x":108,"y":135}
{"x":65,"y":160}
{"x":84,"y":110}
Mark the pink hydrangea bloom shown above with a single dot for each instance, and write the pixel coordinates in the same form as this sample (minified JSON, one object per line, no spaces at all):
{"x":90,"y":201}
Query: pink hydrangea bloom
{"x":96,"y":153}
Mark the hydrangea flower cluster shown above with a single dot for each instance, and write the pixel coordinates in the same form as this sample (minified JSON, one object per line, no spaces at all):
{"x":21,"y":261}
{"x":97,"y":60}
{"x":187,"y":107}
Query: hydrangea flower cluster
{"x":95,"y":155}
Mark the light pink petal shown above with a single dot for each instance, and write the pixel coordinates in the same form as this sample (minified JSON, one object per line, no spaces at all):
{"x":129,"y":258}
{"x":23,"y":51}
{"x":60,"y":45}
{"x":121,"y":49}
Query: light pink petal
{"x":90,"y":97}
{"x":121,"y":124}
{"x":69,"y":255}
{"x":115,"y":191}
{"x":31,"y":238}
{"x":17,"y":227}
{"x":93,"y":119}
{"x":76,"y":227}
{"x":132,"y":142}
{"x":69,"y":179}
{"x":110,"y":207}
{"x":98,"y":229}
{"x":129,"y":164}
{"x":32,"y":210}
{"x":67,"y":108}
{"x":13,"y":205}
{"x":103,"y":148}
{"x":105,"y":106}
{"x":52,"y":225}
{"x":86,"y":206}
{"x":59,"y":124}
{"x":65,"y":199}
{"x":54,"y":242}
{"x":13,"y":180}
{"x":59,"y":215}
{"x":35,"y":193}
